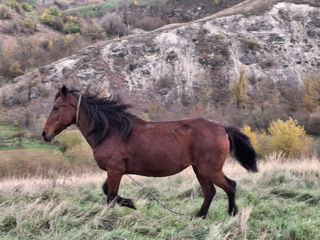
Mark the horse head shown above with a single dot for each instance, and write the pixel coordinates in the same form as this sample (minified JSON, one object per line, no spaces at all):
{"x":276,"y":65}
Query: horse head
{"x":62,"y":115}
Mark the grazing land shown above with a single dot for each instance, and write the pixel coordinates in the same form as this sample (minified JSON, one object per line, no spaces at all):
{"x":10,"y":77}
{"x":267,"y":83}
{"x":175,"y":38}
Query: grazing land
{"x":279,"y":202}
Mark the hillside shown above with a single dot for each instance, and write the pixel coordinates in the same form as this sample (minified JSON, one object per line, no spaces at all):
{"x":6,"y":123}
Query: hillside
{"x":190,"y":69}
{"x":46,"y":31}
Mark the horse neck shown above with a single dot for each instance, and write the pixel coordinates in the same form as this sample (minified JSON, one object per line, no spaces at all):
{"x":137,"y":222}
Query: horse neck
{"x":84,"y":126}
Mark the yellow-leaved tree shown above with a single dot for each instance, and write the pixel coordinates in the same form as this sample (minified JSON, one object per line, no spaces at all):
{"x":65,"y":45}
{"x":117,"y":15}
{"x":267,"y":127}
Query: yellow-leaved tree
{"x":239,"y":88}
{"x":252,"y":135}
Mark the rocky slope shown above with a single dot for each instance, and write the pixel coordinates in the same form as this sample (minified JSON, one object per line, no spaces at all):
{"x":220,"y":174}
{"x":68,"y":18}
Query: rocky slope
{"x":276,"y":43}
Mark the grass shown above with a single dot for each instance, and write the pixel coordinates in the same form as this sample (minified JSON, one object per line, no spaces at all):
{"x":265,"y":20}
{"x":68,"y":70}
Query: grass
{"x":102,"y":8}
{"x":17,"y":137}
{"x":97,"y":8}
{"x":279,"y":202}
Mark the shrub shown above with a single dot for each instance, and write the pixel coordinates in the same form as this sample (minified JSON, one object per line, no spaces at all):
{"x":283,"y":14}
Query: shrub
{"x":91,"y":30}
{"x":14,"y":5}
{"x":69,"y":139}
{"x":15,"y":69}
{"x":48,"y":19}
{"x":288,"y":137}
{"x":30,"y":26}
{"x":113,"y":25}
{"x":263,"y":147}
{"x":58,"y":24}
{"x":252,"y":135}
{"x":5,"y":13}
{"x":283,"y":137}
{"x":54,"y":11}
{"x":72,"y":27}
{"x":26,"y":7}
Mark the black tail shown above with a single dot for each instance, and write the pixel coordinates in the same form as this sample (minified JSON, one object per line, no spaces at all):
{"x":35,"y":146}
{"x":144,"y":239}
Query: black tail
{"x":241,"y":149}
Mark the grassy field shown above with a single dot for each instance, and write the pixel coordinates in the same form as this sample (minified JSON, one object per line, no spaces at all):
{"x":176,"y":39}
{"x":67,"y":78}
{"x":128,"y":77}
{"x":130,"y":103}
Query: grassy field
{"x":279,"y":202}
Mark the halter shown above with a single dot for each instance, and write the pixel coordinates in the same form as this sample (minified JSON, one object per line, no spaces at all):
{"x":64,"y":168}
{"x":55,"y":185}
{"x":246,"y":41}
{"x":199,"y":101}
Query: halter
{"x":78,"y":108}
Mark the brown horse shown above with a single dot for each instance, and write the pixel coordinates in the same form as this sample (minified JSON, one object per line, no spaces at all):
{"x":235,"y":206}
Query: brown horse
{"x":125,"y":144}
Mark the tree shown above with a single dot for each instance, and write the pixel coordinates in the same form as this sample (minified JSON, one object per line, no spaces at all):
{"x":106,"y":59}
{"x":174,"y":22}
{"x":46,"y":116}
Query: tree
{"x":239,"y":89}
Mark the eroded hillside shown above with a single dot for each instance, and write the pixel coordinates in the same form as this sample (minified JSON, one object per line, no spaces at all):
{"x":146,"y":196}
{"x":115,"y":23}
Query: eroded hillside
{"x":273,"y":45}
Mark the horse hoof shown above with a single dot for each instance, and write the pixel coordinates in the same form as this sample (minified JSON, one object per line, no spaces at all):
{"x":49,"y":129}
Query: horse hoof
{"x":203,"y":216}
{"x":132,"y":205}
{"x":233,"y":212}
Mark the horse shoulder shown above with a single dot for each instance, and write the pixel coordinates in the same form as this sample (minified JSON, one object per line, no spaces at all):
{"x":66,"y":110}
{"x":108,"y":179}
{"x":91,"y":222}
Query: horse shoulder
{"x":110,"y":156}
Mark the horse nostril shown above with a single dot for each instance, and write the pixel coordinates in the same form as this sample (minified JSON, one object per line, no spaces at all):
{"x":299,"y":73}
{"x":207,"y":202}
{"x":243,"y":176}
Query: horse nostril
{"x":43,"y":134}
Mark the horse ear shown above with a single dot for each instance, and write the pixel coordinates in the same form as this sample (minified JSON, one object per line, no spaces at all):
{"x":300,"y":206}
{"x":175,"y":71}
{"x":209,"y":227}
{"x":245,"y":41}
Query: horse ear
{"x":64,"y":91}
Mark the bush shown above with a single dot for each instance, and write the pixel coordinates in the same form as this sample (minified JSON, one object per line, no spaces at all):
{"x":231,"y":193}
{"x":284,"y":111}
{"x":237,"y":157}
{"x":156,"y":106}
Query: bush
{"x":47,"y":19}
{"x":288,"y":137}
{"x":26,"y":7}
{"x":58,"y":24}
{"x":54,"y":11}
{"x":5,"y":13}
{"x":14,"y":5}
{"x":15,"y":69}
{"x":91,"y":30}
{"x":283,"y":137}
{"x":30,"y":26}
{"x":72,"y":27}
{"x":113,"y":25}
{"x":69,"y":139}
{"x":252,"y":135}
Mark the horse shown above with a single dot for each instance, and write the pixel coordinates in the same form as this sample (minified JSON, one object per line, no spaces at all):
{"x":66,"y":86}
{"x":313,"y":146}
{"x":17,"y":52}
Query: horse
{"x":123,"y":143}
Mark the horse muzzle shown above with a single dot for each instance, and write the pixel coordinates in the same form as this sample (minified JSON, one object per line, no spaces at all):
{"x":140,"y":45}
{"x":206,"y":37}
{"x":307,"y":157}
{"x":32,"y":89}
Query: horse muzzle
{"x":47,"y":138}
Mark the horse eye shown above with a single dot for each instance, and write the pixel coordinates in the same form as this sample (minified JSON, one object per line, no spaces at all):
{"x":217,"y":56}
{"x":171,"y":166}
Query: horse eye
{"x":55,"y":108}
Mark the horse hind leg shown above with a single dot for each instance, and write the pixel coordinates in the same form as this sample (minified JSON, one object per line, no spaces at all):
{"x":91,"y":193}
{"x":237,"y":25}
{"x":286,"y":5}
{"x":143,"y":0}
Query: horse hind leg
{"x":208,"y":191}
{"x":123,"y":202}
{"x":229,"y":186}
{"x":233,"y":209}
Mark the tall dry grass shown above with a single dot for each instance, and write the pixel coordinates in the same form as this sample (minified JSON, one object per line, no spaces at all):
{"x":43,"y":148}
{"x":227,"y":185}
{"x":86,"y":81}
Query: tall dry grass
{"x":231,"y":169}
{"x":44,"y":162}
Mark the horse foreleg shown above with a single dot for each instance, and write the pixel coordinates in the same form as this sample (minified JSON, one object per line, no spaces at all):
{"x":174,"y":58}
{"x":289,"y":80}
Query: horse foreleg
{"x":112,"y":188}
{"x":123,"y":202}
{"x":208,"y":191}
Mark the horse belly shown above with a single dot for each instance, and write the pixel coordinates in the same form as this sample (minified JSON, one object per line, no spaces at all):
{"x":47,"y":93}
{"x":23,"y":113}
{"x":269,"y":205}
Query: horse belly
{"x":159,"y":163}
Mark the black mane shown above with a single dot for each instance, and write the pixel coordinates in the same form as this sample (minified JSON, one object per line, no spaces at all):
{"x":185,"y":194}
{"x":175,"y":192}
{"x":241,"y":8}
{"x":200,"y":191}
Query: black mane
{"x":103,"y":112}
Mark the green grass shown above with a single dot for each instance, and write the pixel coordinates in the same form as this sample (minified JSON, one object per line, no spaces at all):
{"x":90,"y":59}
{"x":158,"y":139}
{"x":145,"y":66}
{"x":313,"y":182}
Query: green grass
{"x":102,"y":8}
{"x":269,"y":209}
{"x":30,"y":146}
{"x":16,"y":137}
